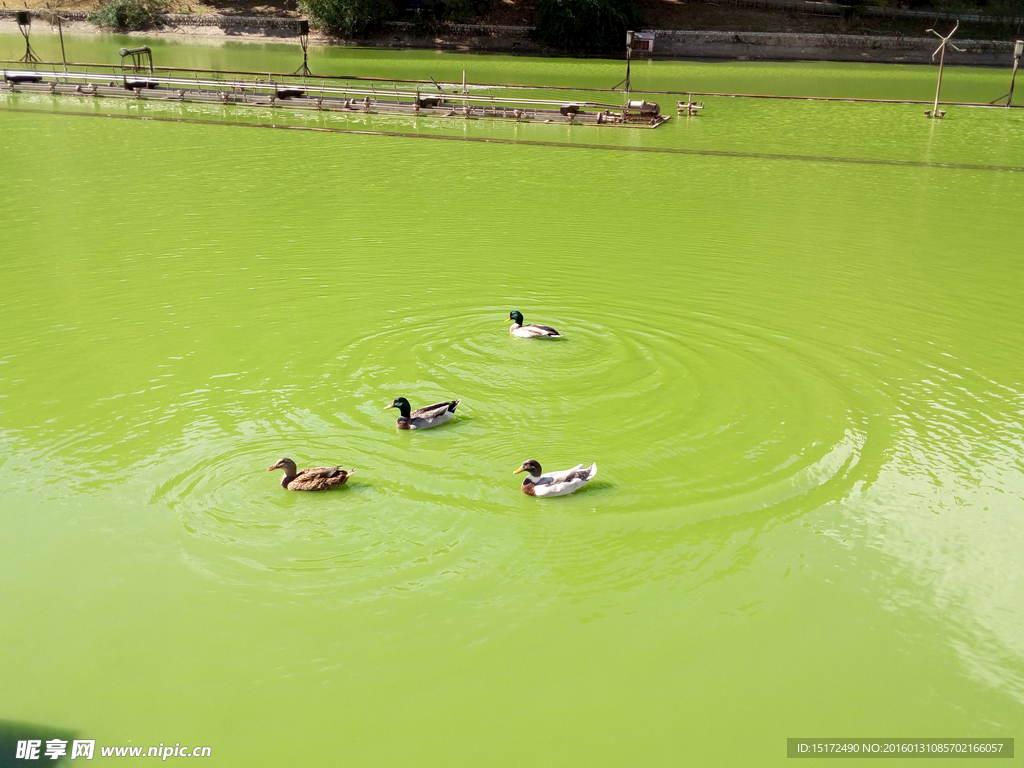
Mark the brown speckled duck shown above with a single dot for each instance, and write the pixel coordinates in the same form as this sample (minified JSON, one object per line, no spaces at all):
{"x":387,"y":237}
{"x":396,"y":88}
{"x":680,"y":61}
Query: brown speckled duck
{"x":314,"y":479}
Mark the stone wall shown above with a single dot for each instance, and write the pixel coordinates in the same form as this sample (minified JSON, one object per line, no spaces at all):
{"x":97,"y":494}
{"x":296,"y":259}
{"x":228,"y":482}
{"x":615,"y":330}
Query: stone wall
{"x":668,"y":44}
{"x":780,"y":46}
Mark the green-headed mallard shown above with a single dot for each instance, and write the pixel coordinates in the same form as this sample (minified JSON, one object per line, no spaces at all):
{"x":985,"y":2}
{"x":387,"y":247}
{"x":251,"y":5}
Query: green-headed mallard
{"x":314,"y":479}
{"x":530,"y":331}
{"x":554,"y":483}
{"x":421,"y":418}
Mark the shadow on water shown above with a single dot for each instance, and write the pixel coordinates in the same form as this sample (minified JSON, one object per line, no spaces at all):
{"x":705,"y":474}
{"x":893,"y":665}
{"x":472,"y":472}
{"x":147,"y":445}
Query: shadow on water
{"x":597,"y":487}
{"x":703,"y":543}
{"x":12,"y":732}
{"x":497,"y":140}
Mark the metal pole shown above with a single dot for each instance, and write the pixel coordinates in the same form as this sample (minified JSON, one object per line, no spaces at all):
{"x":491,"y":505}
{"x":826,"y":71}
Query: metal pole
{"x":629,"y":52}
{"x":629,"y":56}
{"x":64,"y":58}
{"x":938,"y":86}
{"x":942,"y":57}
{"x":24,"y":19}
{"x":1017,"y":51}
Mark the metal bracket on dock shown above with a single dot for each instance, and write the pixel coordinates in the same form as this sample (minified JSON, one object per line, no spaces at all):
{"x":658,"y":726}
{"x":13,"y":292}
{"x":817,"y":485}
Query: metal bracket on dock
{"x":136,"y":55}
{"x":689,"y":107}
{"x":24,"y":25}
{"x":304,"y":42}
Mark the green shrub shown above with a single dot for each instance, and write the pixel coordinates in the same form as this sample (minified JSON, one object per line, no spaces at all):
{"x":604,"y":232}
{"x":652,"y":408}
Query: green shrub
{"x":1011,"y":10}
{"x":586,"y":26}
{"x":128,"y":14}
{"x":462,"y":11}
{"x":348,"y":18}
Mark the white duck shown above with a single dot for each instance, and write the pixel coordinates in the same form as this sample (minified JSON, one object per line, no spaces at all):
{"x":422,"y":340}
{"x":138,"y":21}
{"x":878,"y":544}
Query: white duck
{"x":554,"y":483}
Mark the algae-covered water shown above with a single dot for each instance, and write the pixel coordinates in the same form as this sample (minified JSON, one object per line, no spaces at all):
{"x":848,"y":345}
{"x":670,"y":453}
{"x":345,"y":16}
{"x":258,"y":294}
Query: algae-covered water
{"x":792,"y":346}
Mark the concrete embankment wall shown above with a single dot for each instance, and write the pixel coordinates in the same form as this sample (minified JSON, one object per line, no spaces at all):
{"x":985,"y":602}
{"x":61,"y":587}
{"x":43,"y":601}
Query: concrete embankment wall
{"x":776,"y":46}
{"x":736,"y":46}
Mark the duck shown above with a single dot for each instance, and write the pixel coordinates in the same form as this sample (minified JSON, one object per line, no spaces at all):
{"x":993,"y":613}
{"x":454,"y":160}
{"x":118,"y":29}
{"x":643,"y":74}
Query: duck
{"x":554,"y":483}
{"x":314,"y":479}
{"x":422,"y":418}
{"x":530,"y":331}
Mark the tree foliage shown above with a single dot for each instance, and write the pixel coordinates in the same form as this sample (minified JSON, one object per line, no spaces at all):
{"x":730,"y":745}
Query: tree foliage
{"x":348,"y":18}
{"x":462,"y":11}
{"x":586,"y":26}
{"x":128,"y":14}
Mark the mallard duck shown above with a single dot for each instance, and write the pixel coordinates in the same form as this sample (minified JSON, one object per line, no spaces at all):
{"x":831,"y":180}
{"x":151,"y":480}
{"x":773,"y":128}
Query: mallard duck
{"x":530,"y":331}
{"x":315,"y":479}
{"x":421,"y":418}
{"x":554,"y":483}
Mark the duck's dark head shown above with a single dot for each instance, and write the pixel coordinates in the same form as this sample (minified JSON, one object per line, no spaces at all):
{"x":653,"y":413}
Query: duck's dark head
{"x":286,"y":464}
{"x":515,"y":316}
{"x":402,"y":405}
{"x":532,"y":466}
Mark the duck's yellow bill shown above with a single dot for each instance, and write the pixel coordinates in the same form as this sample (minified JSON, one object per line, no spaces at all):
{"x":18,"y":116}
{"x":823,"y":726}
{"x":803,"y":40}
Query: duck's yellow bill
{"x":389,"y":406}
{"x":517,"y":471}
{"x":508,"y":320}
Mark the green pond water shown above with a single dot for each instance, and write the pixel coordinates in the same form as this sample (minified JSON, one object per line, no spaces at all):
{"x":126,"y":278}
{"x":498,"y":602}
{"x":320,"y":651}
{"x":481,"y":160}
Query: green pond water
{"x":792,"y":346}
